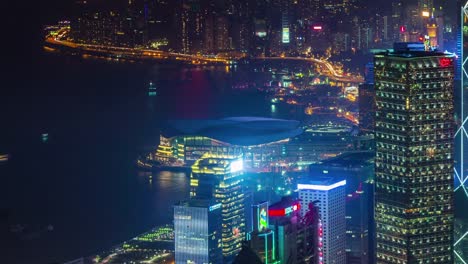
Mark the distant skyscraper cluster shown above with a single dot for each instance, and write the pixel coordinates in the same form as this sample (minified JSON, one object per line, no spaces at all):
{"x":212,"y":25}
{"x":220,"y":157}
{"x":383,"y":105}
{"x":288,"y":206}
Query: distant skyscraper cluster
{"x":265,"y":27}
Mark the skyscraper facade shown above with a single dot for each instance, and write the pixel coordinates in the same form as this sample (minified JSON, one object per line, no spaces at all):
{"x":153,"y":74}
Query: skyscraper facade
{"x":329,"y":194}
{"x":197,"y":227}
{"x":414,"y":155}
{"x":220,"y":177}
{"x":461,"y":139}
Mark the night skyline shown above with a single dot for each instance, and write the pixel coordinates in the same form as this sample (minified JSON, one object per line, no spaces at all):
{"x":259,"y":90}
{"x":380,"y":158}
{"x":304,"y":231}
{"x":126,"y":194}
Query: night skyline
{"x":124,"y":120}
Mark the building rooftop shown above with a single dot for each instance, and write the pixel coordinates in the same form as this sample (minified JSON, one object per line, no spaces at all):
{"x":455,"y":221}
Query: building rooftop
{"x":321,"y":183}
{"x":412,"y":50}
{"x":285,"y":202}
{"x":351,"y":159}
{"x":241,"y":131}
{"x":198,"y":203}
{"x":217,"y":163}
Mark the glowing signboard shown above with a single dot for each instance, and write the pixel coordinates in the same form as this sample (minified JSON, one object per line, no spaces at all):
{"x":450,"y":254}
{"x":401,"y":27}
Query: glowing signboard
{"x":317,"y":28}
{"x":425,"y":13}
{"x":237,"y":165}
{"x":445,"y":62}
{"x":285,"y":35}
{"x":262,"y":219}
{"x":284,"y":211}
{"x":214,"y":207}
{"x":320,"y":187}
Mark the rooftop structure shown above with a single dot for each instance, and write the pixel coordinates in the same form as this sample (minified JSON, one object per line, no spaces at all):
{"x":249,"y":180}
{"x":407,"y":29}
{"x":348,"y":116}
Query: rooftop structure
{"x":240,"y":131}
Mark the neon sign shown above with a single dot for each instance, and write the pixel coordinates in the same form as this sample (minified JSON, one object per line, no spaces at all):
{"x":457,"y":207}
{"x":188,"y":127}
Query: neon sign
{"x":237,"y":165}
{"x":284,"y":211}
{"x":320,"y":187}
{"x":285,"y":36}
{"x":262,"y":220}
{"x":214,"y":207}
{"x":445,"y":62}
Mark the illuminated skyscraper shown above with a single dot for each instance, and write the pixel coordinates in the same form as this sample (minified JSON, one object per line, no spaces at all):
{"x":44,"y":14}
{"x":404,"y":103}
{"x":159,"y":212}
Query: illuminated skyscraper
{"x":220,"y":177}
{"x":197,"y":228}
{"x":330,"y":194}
{"x":414,"y":160}
{"x":461,"y":142}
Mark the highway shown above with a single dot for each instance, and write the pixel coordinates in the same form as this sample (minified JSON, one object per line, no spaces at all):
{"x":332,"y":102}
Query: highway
{"x":331,"y":72}
{"x":139,"y":53}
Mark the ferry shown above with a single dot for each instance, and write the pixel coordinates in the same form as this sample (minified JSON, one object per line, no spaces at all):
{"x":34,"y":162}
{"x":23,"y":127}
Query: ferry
{"x":152,"y":90}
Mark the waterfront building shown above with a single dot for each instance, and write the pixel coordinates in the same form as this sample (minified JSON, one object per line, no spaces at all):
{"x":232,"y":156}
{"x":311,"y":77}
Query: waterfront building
{"x":328,"y":193}
{"x":414,"y":160}
{"x":197,"y":228}
{"x":220,"y":177}
{"x":258,"y":140}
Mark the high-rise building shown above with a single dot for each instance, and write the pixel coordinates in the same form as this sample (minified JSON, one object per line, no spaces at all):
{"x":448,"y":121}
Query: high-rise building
{"x":197,"y":230}
{"x":366,"y":101}
{"x":220,"y":177}
{"x":329,"y":194}
{"x":461,"y":137}
{"x":358,"y":170}
{"x":414,"y":155}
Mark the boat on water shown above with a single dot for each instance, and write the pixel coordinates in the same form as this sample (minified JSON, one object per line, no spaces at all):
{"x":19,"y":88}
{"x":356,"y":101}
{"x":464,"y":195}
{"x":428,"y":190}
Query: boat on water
{"x":152,"y":89}
{"x":147,"y":164}
{"x":4,"y":157}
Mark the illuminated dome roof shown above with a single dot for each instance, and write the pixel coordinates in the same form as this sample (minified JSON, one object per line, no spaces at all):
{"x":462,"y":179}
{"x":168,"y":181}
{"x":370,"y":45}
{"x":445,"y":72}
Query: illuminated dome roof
{"x":242,"y":131}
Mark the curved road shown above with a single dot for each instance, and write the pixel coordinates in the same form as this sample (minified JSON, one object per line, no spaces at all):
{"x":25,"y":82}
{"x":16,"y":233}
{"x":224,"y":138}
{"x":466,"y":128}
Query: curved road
{"x":195,"y":59}
{"x":332,"y":72}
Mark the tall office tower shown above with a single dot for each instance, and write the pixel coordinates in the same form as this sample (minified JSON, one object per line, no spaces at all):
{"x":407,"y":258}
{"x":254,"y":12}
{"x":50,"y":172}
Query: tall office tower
{"x":397,"y":19}
{"x":461,"y":138}
{"x":220,"y":177}
{"x":414,"y":158}
{"x":358,"y":170}
{"x":285,"y":23}
{"x":190,"y":16}
{"x":330,"y":194}
{"x":222,"y":40}
{"x":197,"y":229}
{"x":425,"y":6}
{"x":366,"y":102}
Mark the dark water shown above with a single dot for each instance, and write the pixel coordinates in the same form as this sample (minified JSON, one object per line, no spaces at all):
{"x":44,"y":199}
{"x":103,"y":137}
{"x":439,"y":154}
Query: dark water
{"x":82,"y":182}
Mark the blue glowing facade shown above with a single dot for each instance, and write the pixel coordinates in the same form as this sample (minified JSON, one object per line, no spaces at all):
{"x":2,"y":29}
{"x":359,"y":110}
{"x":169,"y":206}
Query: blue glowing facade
{"x":197,"y":227}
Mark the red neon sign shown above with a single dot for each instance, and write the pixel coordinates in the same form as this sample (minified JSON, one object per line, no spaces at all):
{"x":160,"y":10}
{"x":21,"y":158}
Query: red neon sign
{"x":402,"y":29}
{"x":317,"y":27}
{"x":284,"y":211}
{"x":445,"y":62}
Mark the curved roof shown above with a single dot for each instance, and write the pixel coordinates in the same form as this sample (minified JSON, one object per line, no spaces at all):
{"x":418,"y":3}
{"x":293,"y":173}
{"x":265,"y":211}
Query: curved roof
{"x":242,"y":131}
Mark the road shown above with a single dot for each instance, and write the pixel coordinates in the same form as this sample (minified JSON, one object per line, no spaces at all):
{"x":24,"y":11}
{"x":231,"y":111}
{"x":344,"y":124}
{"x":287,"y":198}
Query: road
{"x":332,"y":73}
{"x":138,"y":53}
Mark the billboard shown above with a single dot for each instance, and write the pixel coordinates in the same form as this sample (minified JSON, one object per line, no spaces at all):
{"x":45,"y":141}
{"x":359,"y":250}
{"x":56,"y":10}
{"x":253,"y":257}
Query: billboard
{"x":285,"y":37}
{"x":260,"y":216}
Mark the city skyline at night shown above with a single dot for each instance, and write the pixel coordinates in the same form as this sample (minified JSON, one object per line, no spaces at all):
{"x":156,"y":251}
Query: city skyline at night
{"x":234,"y":131}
